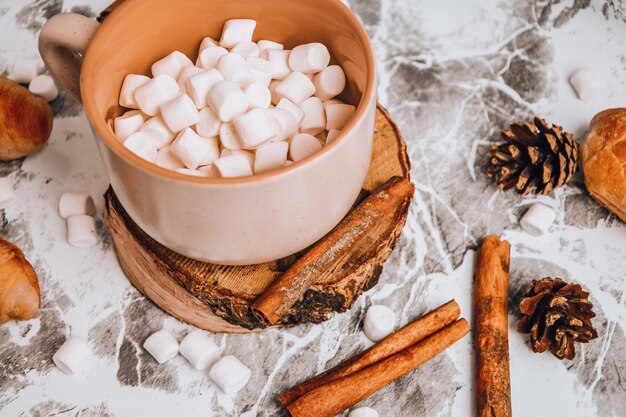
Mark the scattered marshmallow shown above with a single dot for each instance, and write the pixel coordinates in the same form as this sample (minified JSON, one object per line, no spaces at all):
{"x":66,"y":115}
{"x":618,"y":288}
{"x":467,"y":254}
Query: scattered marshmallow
{"x":179,"y":113}
{"x":314,"y":120}
{"x":311,"y":57}
{"x":171,"y":65}
{"x":332,"y":135}
{"x":229,"y":137}
{"x":199,"y":350}
{"x":380,"y":322}
{"x":259,"y":96}
{"x":74,"y":204}
{"x":7,"y":192}
{"x":166,"y":159}
{"x":81,"y":231}
{"x":235,"y":165}
{"x":236,"y":31}
{"x":235,"y":68}
{"x":127,"y":93}
{"x":283,"y":123}
{"x":127,"y":124}
{"x":265,"y":45}
{"x":199,"y":85}
{"x":44,"y":87}
{"x":253,"y":128}
{"x":209,"y":124}
{"x":24,"y":71}
{"x":190,"y":148}
{"x":141,"y":145}
{"x":279,"y":59}
{"x":303,"y":145}
{"x":586,"y":84}
{"x":209,"y":57}
{"x":185,"y":74}
{"x":329,"y":82}
{"x":337,"y":115}
{"x":162,"y":346}
{"x":72,"y":355}
{"x":227,"y":100}
{"x":296,"y":87}
{"x":538,"y":219}
{"x":270,"y":156}
{"x":157,"y":130}
{"x":261,"y":70}
{"x":295,"y":111}
{"x":246,"y":49}
{"x":151,"y":95}
{"x":363,"y":412}
{"x":230,"y":374}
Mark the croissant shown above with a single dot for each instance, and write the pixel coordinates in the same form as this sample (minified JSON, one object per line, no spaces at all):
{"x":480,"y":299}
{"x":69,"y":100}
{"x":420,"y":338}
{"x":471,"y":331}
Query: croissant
{"x":19,"y":287}
{"x":603,"y":156}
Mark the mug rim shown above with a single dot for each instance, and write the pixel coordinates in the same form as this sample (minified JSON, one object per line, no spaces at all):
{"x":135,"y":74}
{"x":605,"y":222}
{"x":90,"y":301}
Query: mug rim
{"x":102,"y":128}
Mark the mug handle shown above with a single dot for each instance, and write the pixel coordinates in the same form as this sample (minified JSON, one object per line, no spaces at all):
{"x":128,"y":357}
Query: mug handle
{"x":63,"y":42}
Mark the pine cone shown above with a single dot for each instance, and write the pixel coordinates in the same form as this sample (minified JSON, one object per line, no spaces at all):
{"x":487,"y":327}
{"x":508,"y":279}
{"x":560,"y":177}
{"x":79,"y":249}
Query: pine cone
{"x":556,"y":314}
{"x":534,"y":158}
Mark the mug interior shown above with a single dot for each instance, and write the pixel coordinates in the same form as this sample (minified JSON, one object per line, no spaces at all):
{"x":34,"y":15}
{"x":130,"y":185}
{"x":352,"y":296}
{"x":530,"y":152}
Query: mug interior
{"x":140,"y":32}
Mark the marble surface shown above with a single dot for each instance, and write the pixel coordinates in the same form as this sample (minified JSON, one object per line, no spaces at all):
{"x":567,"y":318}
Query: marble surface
{"x":452,"y":74}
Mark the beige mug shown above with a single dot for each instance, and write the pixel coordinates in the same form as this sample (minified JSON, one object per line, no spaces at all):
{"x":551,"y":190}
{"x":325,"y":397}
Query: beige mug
{"x":233,"y":221}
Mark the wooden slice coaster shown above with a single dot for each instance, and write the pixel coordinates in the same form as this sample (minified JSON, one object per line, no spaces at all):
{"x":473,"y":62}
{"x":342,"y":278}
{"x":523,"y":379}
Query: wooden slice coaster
{"x":218,"y":298}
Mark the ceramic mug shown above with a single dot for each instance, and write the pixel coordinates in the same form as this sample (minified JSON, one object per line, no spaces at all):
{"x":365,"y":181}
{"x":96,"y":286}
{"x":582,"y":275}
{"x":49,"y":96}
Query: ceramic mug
{"x":233,"y":221}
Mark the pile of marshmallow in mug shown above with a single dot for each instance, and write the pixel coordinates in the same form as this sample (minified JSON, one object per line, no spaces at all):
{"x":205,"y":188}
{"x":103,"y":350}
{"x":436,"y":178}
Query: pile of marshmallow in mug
{"x":252,"y":109}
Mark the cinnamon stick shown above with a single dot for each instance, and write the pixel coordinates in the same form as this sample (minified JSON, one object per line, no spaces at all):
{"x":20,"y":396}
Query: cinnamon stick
{"x":392,"y":344}
{"x":369,"y":220}
{"x":491,"y":329}
{"x":330,"y":399}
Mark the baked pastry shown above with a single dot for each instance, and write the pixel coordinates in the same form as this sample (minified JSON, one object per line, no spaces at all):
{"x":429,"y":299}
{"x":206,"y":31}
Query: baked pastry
{"x":19,"y":287}
{"x":603,"y":156}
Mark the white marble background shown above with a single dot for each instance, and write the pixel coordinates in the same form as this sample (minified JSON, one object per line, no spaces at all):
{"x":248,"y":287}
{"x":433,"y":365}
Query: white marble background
{"x":452,"y":74}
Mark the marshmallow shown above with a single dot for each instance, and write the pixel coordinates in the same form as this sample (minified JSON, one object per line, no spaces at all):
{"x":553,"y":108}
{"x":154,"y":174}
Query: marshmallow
{"x":227,"y":100}
{"x":234,"y":68}
{"x":586,"y":84}
{"x":321,"y":137}
{"x":291,"y":108}
{"x":314,"y":120}
{"x":380,"y":322}
{"x":332,"y":135}
{"x":236,"y":31}
{"x":259,"y":96}
{"x":207,"y":43}
{"x":81,"y":231}
{"x":248,"y":154}
{"x":270,"y":156}
{"x":329,"y":82}
{"x":162,"y":346}
{"x":151,"y":95}
{"x":296,"y":87}
{"x":265,"y":45}
{"x":141,"y":145}
{"x":71,"y":355}
{"x":213,"y":153}
{"x":190,"y":148}
{"x":200,"y":84}
{"x":158,"y":131}
{"x":538,"y":219}
{"x":192,"y":172}
{"x":303,"y":145}
{"x":74,"y":204}
{"x":337,"y":115}
{"x":272,"y":88}
{"x":235,"y":165}
{"x":311,"y":57}
{"x":44,"y":87}
{"x":209,"y":124}
{"x":246,"y":49}
{"x":24,"y":71}
{"x":171,"y":65}
{"x":283,"y":123}
{"x":179,"y":113}
{"x":7,"y":193}
{"x":127,"y":124}
{"x":209,"y":171}
{"x":363,"y":412}
{"x":185,"y":74}
{"x":229,"y":137}
{"x":199,"y":350}
{"x":253,"y":128}
{"x":230,"y":374}
{"x":208,"y":57}
{"x":279,"y":59}
{"x":261,"y":70}
{"x":127,"y":92}
{"x":166,"y":159}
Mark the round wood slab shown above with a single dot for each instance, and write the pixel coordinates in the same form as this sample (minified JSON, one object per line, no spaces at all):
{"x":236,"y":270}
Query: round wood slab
{"x":218,"y":297}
